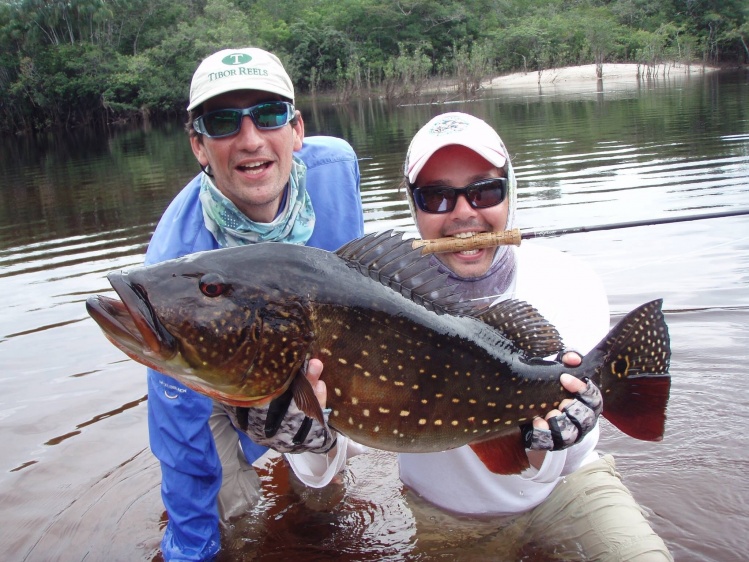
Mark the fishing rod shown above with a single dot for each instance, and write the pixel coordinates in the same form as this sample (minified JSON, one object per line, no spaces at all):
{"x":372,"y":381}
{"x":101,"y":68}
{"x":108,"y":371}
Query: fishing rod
{"x":515,"y":236}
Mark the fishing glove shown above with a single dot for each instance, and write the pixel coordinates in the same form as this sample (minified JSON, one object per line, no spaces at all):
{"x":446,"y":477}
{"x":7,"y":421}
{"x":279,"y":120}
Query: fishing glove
{"x":283,"y":427}
{"x":571,"y":426}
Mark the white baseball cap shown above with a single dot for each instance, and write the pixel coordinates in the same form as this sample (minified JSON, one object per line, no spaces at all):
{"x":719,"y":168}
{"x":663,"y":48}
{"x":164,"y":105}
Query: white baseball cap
{"x":239,"y":69}
{"x":454,"y":128}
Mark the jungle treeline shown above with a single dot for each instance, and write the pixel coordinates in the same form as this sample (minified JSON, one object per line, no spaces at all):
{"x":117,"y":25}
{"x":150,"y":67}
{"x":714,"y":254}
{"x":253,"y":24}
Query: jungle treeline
{"x":66,"y":63}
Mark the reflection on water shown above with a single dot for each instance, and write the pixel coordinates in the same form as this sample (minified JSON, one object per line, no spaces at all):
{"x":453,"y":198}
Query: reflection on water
{"x":78,"y":480}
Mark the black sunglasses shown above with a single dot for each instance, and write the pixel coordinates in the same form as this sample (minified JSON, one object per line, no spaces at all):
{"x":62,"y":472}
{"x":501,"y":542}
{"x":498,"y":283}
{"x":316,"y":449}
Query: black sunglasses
{"x":226,"y":122}
{"x":480,"y":194}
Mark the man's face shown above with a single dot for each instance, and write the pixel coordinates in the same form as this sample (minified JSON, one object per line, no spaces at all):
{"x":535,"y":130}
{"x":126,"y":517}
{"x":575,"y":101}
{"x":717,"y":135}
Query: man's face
{"x":458,"y":166}
{"x":252,"y":167}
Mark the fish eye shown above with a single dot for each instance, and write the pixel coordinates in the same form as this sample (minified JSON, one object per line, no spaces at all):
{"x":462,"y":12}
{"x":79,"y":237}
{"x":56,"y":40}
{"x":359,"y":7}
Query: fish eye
{"x":212,"y":285}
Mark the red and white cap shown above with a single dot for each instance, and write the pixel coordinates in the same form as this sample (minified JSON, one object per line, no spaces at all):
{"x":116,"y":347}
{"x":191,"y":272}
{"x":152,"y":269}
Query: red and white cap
{"x":454,"y":128}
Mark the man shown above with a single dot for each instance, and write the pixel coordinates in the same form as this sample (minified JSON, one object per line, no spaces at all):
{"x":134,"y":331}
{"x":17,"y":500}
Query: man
{"x":460,"y":182}
{"x":261,"y":180}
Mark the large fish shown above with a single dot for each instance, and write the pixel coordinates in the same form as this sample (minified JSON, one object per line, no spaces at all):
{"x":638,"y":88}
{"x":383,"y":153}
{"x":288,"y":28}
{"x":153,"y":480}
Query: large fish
{"x":408,"y":367}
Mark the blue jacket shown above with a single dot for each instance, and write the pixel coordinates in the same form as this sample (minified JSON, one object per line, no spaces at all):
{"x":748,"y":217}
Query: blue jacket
{"x":177,"y":416}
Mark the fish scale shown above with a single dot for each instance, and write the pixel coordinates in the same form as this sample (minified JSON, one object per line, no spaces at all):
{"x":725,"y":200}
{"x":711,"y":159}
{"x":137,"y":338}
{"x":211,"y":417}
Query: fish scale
{"x":409,"y":367}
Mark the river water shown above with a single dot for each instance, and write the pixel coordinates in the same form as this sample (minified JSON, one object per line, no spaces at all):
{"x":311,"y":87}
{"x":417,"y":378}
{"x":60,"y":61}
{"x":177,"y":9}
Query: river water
{"x":77,"y":481}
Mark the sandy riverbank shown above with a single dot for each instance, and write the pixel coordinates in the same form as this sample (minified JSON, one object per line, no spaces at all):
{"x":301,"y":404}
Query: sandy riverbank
{"x":586,"y":74}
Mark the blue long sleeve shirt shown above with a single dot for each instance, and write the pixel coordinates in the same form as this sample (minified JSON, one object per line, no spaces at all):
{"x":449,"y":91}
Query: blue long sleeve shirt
{"x":177,"y":416}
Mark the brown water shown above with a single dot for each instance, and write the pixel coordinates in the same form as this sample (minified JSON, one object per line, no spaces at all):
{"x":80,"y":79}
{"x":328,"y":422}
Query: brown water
{"x":77,"y":481}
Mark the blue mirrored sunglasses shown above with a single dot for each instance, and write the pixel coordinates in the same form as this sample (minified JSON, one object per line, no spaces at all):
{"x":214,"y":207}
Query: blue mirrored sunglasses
{"x":226,"y":122}
{"x":480,"y":194}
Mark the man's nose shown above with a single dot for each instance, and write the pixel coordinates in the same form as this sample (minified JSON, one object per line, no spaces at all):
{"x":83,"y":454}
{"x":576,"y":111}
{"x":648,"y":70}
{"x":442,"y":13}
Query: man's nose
{"x":462,"y":206}
{"x":248,"y":133}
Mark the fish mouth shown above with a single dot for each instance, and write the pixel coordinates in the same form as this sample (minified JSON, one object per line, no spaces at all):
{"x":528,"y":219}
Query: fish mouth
{"x":130,"y":323}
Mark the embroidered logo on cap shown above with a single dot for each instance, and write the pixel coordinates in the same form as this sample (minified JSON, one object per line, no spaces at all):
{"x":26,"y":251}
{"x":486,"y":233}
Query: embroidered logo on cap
{"x":448,"y":126}
{"x":236,"y":58}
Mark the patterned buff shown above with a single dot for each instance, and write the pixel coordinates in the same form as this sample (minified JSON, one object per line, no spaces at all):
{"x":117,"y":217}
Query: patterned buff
{"x":231,"y":227}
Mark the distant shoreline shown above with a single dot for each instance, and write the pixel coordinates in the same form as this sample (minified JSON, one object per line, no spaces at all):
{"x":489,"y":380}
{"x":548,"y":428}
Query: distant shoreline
{"x":585,"y":74}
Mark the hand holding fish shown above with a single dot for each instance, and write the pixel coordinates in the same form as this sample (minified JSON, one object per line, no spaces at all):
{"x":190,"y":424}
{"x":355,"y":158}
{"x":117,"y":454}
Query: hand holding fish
{"x":314,"y":371}
{"x":574,"y":415}
{"x":313,"y":374}
{"x":573,"y":419}
{"x":281,"y":425}
{"x":571,"y":422}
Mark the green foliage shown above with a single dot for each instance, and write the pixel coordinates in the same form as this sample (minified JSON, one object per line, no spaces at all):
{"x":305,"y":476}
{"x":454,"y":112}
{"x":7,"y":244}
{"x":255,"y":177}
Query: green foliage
{"x":471,"y":64}
{"x":69,"y":62}
{"x":316,"y":45}
{"x":406,"y":74}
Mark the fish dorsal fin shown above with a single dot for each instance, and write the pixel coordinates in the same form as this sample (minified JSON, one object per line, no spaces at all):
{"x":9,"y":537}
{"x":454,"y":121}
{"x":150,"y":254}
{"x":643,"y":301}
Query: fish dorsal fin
{"x":523,"y":325}
{"x":391,"y":260}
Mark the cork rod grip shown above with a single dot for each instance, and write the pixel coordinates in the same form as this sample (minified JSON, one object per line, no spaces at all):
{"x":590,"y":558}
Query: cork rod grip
{"x":481,"y":240}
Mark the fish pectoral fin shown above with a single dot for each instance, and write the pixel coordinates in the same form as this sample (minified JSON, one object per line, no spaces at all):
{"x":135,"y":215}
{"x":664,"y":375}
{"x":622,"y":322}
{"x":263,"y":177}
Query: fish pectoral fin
{"x":305,"y":398}
{"x":504,"y":454}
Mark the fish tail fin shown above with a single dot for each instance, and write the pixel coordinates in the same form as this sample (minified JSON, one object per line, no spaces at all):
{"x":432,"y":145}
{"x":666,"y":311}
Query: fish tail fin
{"x":633,"y":376}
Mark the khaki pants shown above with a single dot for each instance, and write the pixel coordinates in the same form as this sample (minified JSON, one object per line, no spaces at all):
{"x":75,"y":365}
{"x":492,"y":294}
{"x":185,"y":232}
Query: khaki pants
{"x":240,"y":484}
{"x":590,"y":515}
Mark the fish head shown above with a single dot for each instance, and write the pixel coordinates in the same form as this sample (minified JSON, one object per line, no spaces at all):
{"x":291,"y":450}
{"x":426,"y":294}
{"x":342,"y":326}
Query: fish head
{"x":202,"y":321}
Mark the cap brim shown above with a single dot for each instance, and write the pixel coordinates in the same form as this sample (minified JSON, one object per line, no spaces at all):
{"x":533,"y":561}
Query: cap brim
{"x":233,"y":87}
{"x":495,"y":158}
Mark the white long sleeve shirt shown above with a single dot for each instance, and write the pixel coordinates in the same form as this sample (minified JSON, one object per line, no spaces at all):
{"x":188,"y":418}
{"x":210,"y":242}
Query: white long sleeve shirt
{"x":570,"y":296}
